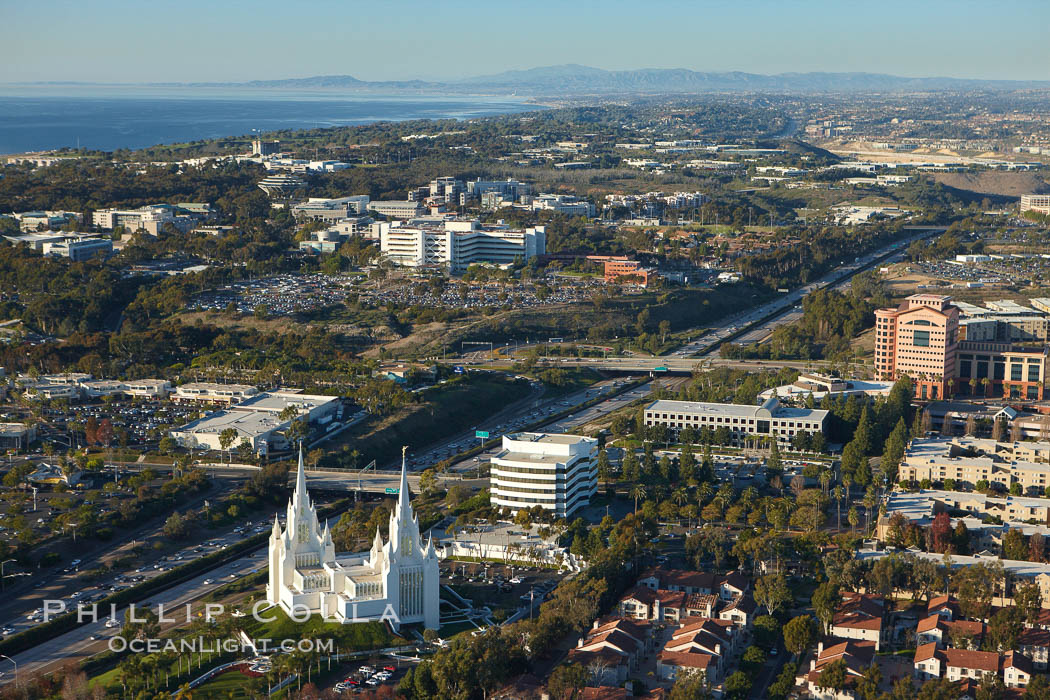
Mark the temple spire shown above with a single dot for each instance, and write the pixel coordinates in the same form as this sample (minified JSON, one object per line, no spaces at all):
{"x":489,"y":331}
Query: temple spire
{"x":300,"y":478}
{"x":403,"y":495}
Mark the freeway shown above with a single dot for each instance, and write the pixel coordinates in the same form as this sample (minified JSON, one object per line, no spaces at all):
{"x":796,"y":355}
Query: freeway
{"x":782,"y":309}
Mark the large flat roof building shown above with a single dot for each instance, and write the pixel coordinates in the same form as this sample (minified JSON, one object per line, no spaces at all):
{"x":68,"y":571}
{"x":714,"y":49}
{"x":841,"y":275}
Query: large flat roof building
{"x":767,"y":419}
{"x":556,"y":472}
{"x":456,"y":245}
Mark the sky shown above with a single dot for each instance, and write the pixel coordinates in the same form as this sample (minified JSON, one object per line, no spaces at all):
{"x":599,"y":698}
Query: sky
{"x":235,"y":40}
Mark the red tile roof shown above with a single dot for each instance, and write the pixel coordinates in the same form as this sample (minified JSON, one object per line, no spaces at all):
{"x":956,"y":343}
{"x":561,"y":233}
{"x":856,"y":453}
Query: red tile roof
{"x":686,"y":659}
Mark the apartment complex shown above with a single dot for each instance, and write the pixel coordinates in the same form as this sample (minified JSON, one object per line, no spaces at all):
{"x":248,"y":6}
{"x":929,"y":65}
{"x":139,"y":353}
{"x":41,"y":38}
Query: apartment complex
{"x":967,"y":461}
{"x":556,"y":472}
{"x":770,"y":419}
{"x":455,"y":245}
{"x":1039,"y":203}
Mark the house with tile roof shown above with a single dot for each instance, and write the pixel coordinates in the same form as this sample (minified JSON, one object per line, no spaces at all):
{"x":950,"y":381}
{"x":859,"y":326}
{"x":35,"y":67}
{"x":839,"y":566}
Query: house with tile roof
{"x":965,"y":634}
{"x":860,"y":616}
{"x":856,"y":655}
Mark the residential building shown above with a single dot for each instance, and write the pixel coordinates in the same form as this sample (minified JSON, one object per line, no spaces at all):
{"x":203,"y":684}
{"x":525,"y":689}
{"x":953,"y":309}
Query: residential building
{"x":967,"y":460}
{"x":455,"y":245}
{"x":615,"y":648}
{"x":770,"y":419}
{"x":556,"y":472}
{"x":1038,"y":203}
{"x":644,"y":603}
{"x":726,"y":587}
{"x":963,"y":664}
{"x":964,"y":634}
{"x":919,"y":339}
{"x":860,"y":616}
{"x":395,"y":581}
{"x":857,"y":657}
{"x":699,"y":644}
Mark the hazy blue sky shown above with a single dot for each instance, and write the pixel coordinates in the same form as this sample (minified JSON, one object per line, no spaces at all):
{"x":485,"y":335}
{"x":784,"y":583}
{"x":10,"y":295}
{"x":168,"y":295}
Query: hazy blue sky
{"x":203,"y":40}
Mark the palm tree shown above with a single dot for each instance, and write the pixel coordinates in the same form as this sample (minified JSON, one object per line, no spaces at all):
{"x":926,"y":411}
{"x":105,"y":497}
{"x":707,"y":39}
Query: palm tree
{"x":637,"y":491}
{"x":838,"y":508}
{"x":854,"y":519}
{"x":825,"y":479}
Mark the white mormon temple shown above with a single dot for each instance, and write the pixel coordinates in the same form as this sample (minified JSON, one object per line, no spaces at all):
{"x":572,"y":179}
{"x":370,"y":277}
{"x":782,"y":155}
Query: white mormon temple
{"x":396,"y":581}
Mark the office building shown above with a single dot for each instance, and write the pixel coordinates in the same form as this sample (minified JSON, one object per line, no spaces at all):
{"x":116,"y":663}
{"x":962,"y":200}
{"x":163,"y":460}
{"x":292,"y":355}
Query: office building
{"x":622,"y":271}
{"x":396,"y":208}
{"x":396,"y":581}
{"x":79,"y":249}
{"x":455,"y":245}
{"x":564,"y":204}
{"x":258,"y":420}
{"x":556,"y":472}
{"x":769,"y":419}
{"x":330,"y":210}
{"x":209,"y":392}
{"x":265,"y":148}
{"x":281,"y":185}
{"x":1038,"y":203}
{"x":919,"y":339}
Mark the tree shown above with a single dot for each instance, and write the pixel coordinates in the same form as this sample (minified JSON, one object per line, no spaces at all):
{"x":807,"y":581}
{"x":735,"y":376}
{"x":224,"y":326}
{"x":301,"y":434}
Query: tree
{"x":799,"y":634}
{"x":690,"y":686}
{"x":771,"y":592}
{"x":226,"y":440}
{"x":833,"y":676}
{"x":637,"y":492}
{"x":773,"y":463}
{"x":1014,"y":545}
{"x":868,"y":685}
{"x":566,"y":681}
{"x":825,"y":601}
{"x":738,"y":686}
{"x":1029,"y":601}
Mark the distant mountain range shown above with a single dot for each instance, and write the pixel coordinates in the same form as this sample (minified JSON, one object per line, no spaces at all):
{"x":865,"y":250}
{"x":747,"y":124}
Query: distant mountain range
{"x":573,"y":79}
{"x":577,"y":79}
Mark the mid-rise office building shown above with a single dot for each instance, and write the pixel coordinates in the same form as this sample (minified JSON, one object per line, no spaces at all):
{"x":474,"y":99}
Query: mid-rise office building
{"x":556,"y":472}
{"x":564,"y":204}
{"x":922,"y":339}
{"x":455,"y":245}
{"x":769,"y":419}
{"x":330,"y":210}
{"x":919,"y":339}
{"x":1039,"y":203}
{"x":396,"y":208}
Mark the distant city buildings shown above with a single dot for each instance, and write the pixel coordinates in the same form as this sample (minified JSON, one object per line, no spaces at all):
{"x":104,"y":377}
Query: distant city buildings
{"x":77,"y":247}
{"x":153,"y":218}
{"x":555,"y":472}
{"x":331,"y":210}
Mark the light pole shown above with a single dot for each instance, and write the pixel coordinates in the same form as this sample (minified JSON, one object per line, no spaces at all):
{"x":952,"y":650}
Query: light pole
{"x":2,"y":572}
{"x":13,"y":662}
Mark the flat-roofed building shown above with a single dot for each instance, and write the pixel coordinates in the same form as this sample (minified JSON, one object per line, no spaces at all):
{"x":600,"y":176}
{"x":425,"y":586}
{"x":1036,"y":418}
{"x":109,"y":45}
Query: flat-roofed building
{"x":767,"y":419}
{"x":967,"y":461}
{"x":15,"y":436}
{"x":210,"y":392}
{"x":259,"y":420}
{"x":1039,"y":203}
{"x":396,"y":208}
{"x":556,"y":472}
{"x":456,"y":245}
{"x":918,"y":339}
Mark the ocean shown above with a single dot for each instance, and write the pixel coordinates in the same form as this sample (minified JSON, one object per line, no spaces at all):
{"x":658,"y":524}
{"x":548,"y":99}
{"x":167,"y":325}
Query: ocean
{"x":47,"y":117}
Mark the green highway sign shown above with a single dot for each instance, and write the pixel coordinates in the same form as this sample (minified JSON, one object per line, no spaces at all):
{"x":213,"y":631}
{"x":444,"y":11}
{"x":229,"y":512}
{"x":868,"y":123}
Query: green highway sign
{"x":481,"y":433}
{"x":659,"y":369}
{"x":392,"y":491}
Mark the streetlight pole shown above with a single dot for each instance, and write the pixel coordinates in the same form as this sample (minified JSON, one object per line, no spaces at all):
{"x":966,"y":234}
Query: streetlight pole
{"x":15,"y":663}
{"x":2,"y":572}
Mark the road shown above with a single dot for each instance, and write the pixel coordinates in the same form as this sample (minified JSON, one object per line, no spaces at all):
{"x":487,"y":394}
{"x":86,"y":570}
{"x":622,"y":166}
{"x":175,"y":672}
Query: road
{"x":707,"y":344}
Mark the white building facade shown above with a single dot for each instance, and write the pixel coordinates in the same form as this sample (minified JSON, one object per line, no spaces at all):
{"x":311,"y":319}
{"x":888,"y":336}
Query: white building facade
{"x":458,"y":244}
{"x":395,"y":582}
{"x":556,"y":472}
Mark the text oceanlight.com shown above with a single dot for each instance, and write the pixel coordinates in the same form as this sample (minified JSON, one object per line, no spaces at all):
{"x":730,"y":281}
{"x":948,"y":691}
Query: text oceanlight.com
{"x":194,"y":645}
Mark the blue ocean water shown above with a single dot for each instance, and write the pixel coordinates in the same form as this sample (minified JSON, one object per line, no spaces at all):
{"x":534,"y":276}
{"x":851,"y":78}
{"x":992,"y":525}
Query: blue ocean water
{"x":33,"y":119}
